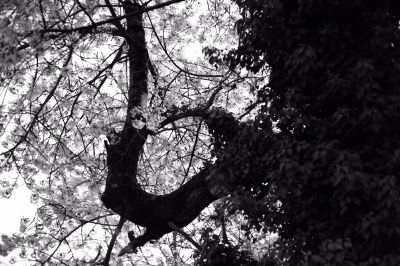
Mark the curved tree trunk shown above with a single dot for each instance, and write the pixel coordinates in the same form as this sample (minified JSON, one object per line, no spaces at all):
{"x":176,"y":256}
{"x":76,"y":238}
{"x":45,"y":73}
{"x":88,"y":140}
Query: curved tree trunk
{"x":123,"y":194}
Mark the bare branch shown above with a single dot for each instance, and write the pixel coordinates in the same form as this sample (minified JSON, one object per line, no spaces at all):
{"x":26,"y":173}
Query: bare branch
{"x":117,"y":23}
{"x":161,"y":5}
{"x":64,"y":238}
{"x":117,"y":231}
{"x":49,"y":96}
{"x":109,"y":66}
{"x":192,"y":153}
{"x":184,"y":234}
{"x":85,"y":11}
{"x":173,"y":61}
{"x":89,"y":28}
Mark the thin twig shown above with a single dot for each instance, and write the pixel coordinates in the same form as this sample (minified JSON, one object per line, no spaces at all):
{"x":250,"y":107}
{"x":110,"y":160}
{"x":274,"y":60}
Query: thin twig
{"x":192,"y":153}
{"x":173,"y":61}
{"x":88,"y":28}
{"x":49,"y":96}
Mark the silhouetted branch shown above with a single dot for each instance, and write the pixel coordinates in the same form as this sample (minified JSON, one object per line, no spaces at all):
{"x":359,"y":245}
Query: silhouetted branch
{"x":117,"y":231}
{"x":184,"y":234}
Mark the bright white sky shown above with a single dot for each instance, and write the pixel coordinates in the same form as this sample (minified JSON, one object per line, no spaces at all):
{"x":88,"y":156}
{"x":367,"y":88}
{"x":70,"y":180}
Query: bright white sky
{"x":14,"y":208}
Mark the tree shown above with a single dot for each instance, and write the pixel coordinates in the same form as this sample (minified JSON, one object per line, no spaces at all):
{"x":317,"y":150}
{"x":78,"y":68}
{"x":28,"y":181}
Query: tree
{"x":313,"y":157}
{"x":333,"y":95}
{"x":84,"y":123}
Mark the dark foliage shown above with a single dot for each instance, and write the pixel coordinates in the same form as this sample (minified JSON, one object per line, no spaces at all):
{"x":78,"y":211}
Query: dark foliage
{"x":334,"y":100}
{"x":215,"y":253}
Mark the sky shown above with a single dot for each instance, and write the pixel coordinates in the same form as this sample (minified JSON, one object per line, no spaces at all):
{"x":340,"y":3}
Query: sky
{"x":14,"y":208}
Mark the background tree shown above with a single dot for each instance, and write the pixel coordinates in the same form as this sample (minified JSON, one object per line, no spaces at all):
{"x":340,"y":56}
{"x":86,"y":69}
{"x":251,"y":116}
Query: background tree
{"x":333,"y":97}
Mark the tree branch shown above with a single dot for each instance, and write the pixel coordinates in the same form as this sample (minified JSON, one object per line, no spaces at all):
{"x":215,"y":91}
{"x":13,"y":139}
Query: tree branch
{"x":85,"y":11}
{"x":109,"y":66}
{"x":89,"y":28}
{"x":161,"y":5}
{"x":117,"y":231}
{"x":192,"y":153}
{"x":49,"y":96}
{"x":184,"y":234}
{"x":173,"y":61}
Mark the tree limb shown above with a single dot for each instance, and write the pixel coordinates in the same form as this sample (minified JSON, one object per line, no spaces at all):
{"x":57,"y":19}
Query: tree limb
{"x":161,"y":5}
{"x":92,"y":26}
{"x":117,"y":231}
{"x":49,"y":96}
{"x":184,"y":234}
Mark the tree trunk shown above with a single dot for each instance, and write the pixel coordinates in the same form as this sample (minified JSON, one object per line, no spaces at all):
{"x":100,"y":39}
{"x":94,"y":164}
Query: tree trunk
{"x":123,"y":194}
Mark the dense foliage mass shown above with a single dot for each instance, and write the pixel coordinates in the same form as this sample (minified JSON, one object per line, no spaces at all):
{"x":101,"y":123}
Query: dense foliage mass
{"x":124,"y":137}
{"x":334,"y":98}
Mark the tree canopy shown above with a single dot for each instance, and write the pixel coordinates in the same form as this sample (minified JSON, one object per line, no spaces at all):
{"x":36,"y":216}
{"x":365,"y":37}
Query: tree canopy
{"x":243,"y":132}
{"x":334,"y":97}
